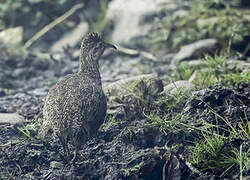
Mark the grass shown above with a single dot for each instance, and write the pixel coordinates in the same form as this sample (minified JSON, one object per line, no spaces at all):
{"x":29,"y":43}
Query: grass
{"x":207,"y":152}
{"x":25,"y":131}
{"x":165,"y":112}
{"x":237,"y":159}
{"x":215,"y":71}
{"x":215,"y":152}
{"x":166,"y":124}
{"x":211,"y":155}
{"x":111,"y":121}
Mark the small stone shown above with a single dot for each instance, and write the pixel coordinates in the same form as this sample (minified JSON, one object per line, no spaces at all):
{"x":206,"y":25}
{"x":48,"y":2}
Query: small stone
{"x":11,"y":118}
{"x":173,"y":88}
{"x":56,"y":165}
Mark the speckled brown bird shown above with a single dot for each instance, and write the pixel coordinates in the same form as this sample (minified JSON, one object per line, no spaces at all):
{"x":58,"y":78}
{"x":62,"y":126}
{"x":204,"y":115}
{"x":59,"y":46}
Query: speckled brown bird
{"x":75,"y":106}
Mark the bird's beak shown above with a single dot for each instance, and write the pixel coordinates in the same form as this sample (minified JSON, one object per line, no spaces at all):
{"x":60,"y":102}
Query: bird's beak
{"x":107,"y":45}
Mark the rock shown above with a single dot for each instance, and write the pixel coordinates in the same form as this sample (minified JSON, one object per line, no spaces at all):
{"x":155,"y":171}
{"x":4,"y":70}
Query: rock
{"x":197,"y":64}
{"x":127,"y":97}
{"x":239,"y":65}
{"x":173,"y":88}
{"x":11,"y":118}
{"x":125,"y":86}
{"x":56,"y":165}
{"x":195,"y":50}
{"x":12,"y":35}
{"x":134,"y":18}
{"x":72,"y":38}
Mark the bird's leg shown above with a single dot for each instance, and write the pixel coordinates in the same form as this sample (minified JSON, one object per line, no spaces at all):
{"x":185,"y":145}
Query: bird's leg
{"x":75,"y":154}
{"x":65,"y":147}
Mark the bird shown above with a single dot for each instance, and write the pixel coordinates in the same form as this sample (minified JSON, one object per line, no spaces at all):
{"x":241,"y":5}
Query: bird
{"x":75,"y":107}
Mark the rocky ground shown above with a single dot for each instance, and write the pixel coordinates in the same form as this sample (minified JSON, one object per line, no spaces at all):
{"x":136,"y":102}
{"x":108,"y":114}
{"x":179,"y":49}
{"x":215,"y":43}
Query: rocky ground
{"x":156,"y":119}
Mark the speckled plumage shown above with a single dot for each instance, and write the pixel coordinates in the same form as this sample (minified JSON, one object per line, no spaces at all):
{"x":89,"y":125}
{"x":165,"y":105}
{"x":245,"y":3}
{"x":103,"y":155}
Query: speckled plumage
{"x":75,"y":106}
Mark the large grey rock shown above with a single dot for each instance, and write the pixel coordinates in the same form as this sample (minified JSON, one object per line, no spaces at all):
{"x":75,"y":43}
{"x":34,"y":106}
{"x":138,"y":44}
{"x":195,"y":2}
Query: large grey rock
{"x":11,"y":118}
{"x":134,"y":18}
{"x":196,"y":50}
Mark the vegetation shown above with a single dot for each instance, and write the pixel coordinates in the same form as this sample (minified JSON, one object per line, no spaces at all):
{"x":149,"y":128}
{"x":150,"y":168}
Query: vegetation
{"x":216,"y":70}
{"x":205,"y":19}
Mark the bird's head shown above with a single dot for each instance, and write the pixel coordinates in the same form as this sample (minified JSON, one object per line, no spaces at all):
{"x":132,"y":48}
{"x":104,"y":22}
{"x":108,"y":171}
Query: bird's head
{"x":93,"y":46}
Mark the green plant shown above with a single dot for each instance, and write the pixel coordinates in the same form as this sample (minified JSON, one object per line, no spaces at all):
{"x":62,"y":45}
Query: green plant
{"x":211,"y":154}
{"x":111,"y":121}
{"x":25,"y":131}
{"x":207,"y":153}
{"x":215,"y":71}
{"x":215,"y":152}
{"x":237,"y":160}
{"x":183,"y":72}
{"x":166,"y":124}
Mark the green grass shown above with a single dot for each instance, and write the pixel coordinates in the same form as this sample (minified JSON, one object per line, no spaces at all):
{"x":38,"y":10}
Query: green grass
{"x":215,"y":71}
{"x":165,"y":112}
{"x":236,"y":159}
{"x":25,"y":131}
{"x":207,"y":152}
{"x":166,"y":124}
{"x":215,"y":151}
{"x":211,"y":155}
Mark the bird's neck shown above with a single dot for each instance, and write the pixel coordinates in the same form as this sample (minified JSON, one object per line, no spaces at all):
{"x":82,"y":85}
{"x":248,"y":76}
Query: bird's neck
{"x":90,"y":67}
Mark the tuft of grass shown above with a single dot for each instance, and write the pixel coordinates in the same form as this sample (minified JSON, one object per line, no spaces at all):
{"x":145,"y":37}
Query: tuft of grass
{"x":25,"y":131}
{"x":210,"y":154}
{"x":111,"y":121}
{"x":207,"y":153}
{"x":166,"y":124}
{"x":174,"y":102}
{"x":183,"y":72}
{"x":215,"y":153}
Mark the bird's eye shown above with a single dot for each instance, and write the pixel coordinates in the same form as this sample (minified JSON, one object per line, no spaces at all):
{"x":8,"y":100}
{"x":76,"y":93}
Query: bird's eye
{"x":99,"y":44}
